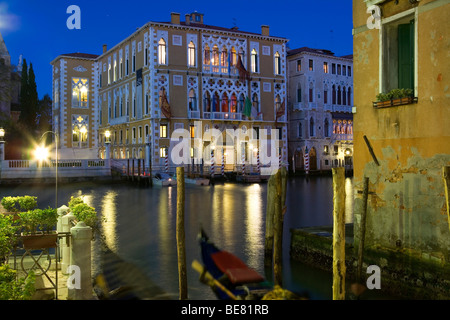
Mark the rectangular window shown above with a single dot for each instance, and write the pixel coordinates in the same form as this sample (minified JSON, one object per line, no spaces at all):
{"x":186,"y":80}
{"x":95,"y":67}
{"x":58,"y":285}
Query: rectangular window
{"x":344,"y":70}
{"x":339,"y":69}
{"x":162,"y":152}
{"x":299,"y":65}
{"x":311,"y":94}
{"x":325,"y":67}
{"x":311,"y":65}
{"x":398,"y":47}
{"x":333,"y":68}
{"x":349,"y":69}
{"x":256,"y":133}
{"x":192,"y":131}
{"x":325,"y":96}
{"x":163,"y":131}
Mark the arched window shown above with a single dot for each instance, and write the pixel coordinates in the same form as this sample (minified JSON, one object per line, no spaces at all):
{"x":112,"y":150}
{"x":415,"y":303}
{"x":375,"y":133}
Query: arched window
{"x":162,"y":51}
{"x":224,"y":103}
{"x":277,"y":63}
{"x":349,"y":96}
{"x":277,"y":103}
{"x":215,"y":56}
{"x":333,"y":94}
{"x":255,"y":102}
{"x":233,"y":56}
{"x":224,"y":57}
{"x":241,"y":103}
{"x":216,"y":101}
{"x":325,"y":94}
{"x":254,"y":61}
{"x":207,"y":105}
{"x":207,"y":55}
{"x":312,"y":132}
{"x":300,"y":130}
{"x":192,"y":101}
{"x":344,"y":96}
{"x":191,"y":54}
{"x":339,"y":95}
{"x":326,"y":128}
{"x":233,"y":105}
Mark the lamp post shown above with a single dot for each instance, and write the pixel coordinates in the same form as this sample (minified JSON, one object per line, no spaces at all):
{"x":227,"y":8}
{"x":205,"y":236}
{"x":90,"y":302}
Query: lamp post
{"x":56,"y":164}
{"x":107,"y":144}
{"x":2,"y":144}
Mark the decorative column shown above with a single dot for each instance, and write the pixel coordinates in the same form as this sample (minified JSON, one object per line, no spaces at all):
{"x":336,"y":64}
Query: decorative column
{"x":80,"y":263}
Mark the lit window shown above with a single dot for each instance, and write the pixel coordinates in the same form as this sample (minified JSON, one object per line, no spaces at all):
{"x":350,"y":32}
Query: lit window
{"x":311,"y":65}
{"x":299,"y":65}
{"x":207,"y":56}
{"x":325,"y":67}
{"x":163,"y":130}
{"x":191,"y":54}
{"x":254,"y":61}
{"x":192,"y":131}
{"x":215,"y":56}
{"x":79,"y":92}
{"x":277,"y":63}
{"x":162,"y":51}
{"x":163,"y":152}
{"x":192,"y":101}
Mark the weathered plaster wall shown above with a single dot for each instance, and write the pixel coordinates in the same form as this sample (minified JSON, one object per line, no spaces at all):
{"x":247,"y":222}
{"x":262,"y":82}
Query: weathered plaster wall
{"x":406,"y":207}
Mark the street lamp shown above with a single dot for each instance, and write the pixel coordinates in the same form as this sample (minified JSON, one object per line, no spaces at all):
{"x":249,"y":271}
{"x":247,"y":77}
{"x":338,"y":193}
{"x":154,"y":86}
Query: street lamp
{"x":107,"y":144}
{"x":41,"y":153}
{"x":2,"y":144}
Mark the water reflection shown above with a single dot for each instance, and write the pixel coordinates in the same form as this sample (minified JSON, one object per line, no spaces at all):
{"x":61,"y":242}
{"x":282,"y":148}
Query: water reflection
{"x":140,"y":224}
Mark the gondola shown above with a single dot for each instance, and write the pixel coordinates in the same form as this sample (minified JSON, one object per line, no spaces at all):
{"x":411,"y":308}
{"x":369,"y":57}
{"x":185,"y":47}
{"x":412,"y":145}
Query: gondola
{"x":230,"y":278}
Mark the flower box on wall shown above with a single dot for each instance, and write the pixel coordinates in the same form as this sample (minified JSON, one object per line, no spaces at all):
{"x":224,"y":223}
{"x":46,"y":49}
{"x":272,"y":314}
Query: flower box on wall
{"x":40,"y":240}
{"x":395,"y":102}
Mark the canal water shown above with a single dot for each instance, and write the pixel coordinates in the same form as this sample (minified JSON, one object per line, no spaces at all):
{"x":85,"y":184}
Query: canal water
{"x":140,"y":225}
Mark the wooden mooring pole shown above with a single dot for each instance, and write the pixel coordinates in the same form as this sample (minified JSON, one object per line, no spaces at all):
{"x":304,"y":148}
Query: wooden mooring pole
{"x":338,"y":233}
{"x":181,"y":246}
{"x":278,"y":218}
{"x":268,"y":244}
{"x":446,"y":177}
{"x":362,"y":229}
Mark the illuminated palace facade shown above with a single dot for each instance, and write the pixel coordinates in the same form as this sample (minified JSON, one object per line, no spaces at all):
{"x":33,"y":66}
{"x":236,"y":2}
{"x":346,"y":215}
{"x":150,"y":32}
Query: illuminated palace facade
{"x":174,"y":75}
{"x":320,"y":103}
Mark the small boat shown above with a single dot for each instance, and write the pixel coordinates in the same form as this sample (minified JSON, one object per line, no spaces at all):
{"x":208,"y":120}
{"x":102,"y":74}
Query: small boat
{"x":197,"y":181}
{"x":164,"y":180}
{"x":228,"y":276}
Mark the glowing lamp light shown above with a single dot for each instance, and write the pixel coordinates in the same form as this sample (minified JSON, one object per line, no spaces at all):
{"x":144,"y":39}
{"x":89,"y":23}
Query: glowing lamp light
{"x":2,"y":133}
{"x":41,"y":153}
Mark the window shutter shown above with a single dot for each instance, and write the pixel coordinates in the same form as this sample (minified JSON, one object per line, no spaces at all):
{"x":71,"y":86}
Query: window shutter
{"x":406,"y":55}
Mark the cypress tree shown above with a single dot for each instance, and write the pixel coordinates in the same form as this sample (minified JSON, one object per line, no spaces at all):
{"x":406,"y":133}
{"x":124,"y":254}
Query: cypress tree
{"x":28,"y":99}
{"x":23,"y":98}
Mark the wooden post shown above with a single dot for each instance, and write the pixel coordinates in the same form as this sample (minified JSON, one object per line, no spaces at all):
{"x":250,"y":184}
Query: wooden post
{"x":338,"y":233}
{"x":128,"y":169}
{"x":446,"y":177}
{"x":278,"y":230}
{"x":268,"y":245}
{"x":139,"y":170}
{"x":362,"y":229}
{"x":181,"y":247}
{"x":132,"y":172}
{"x":371,"y":151}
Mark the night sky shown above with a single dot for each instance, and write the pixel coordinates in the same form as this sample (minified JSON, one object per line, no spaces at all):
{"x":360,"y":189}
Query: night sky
{"x":38,"y":30}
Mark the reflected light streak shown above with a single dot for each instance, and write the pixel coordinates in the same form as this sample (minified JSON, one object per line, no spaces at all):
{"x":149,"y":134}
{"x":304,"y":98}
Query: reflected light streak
{"x":109,"y":215}
{"x":348,"y":200}
{"x":254,"y":236}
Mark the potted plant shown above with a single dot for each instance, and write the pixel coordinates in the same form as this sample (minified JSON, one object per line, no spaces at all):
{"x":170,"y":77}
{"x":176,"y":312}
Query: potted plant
{"x":38,"y":227}
{"x":14,"y":205}
{"x":8,"y":237}
{"x":395,"y":97}
{"x":14,"y":288}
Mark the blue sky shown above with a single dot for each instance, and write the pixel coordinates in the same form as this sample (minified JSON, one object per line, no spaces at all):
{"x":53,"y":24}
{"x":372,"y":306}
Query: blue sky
{"x":37,"y":29}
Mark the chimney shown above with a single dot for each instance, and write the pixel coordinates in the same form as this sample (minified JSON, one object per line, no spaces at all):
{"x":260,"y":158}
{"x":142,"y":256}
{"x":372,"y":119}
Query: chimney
{"x":105,"y":48}
{"x":175,"y":18}
{"x":265,"y":30}
{"x":188,"y":19}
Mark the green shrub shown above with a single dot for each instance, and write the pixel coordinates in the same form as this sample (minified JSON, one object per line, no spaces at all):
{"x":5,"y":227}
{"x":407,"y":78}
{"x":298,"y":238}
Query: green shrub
{"x":48,"y":219}
{"x":7,"y":235}
{"x":87,"y":214}
{"x":74,"y":201}
{"x":12,"y":288}
{"x":27,"y":203}
{"x":30,"y":220}
{"x":9,"y":203}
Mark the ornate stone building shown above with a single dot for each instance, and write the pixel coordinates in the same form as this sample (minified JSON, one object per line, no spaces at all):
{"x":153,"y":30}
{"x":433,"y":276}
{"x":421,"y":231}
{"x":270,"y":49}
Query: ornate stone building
{"x":320,"y":101}
{"x":184,"y":75}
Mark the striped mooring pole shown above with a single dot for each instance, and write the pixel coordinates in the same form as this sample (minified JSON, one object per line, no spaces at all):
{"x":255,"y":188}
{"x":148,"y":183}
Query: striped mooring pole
{"x":243,"y":165}
{"x":257,"y":162}
{"x":223,"y":163}
{"x":212,"y":163}
{"x":166,"y":163}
